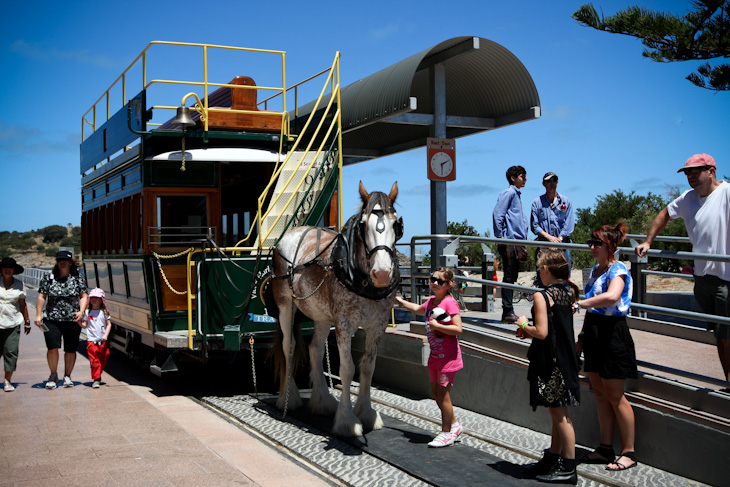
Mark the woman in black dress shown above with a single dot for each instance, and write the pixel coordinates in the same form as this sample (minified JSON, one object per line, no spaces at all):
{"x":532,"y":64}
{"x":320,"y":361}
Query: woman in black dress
{"x":553,"y":369}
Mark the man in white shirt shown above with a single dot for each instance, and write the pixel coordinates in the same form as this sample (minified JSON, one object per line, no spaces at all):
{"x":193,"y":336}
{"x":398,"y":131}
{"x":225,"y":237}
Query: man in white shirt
{"x":706,"y":213}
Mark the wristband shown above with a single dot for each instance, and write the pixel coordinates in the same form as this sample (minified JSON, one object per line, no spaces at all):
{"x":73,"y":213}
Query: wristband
{"x":524,"y":324}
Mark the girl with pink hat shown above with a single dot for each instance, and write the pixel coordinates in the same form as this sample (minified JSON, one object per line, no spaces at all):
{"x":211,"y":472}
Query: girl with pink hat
{"x":98,"y":326}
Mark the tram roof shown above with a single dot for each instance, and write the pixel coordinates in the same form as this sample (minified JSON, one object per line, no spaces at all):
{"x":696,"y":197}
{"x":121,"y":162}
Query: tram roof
{"x":391,"y":111}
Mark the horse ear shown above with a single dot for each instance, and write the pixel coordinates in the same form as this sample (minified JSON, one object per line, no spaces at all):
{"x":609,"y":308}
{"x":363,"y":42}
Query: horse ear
{"x":363,"y":194}
{"x":393,"y":193}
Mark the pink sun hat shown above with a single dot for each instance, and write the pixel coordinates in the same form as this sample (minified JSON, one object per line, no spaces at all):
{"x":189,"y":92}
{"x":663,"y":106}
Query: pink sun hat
{"x":98,"y":292}
{"x":699,"y":160}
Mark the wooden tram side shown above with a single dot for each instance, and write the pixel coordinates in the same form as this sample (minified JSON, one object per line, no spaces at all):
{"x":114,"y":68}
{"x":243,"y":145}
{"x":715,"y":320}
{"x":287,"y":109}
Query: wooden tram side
{"x":179,"y":252}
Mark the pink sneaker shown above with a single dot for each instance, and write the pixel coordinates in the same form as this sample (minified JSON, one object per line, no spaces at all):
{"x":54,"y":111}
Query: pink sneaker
{"x":445,"y":438}
{"x":456,"y":430}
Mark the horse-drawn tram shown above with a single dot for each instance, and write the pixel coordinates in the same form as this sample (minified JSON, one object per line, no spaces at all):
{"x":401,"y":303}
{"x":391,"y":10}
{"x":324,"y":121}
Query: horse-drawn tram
{"x":189,"y":183}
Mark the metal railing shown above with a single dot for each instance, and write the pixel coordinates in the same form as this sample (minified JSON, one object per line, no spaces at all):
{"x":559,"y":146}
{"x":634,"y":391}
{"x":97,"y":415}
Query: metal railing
{"x":33,"y":276}
{"x":638,"y":270}
{"x":418,"y":282}
{"x":206,"y":84}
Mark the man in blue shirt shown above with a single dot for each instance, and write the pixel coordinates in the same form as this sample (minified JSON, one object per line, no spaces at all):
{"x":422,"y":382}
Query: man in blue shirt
{"x":552,"y":218}
{"x":509,"y":221}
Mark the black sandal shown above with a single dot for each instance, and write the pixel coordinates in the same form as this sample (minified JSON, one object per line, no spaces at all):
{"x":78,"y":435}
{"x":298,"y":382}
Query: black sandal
{"x":604,"y":454}
{"x":620,"y":466}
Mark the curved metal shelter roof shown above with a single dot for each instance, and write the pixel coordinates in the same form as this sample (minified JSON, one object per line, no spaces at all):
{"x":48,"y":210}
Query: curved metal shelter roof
{"x":486,"y":87}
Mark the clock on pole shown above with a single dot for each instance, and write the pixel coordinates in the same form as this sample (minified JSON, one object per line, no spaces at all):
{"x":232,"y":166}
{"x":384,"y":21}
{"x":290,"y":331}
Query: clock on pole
{"x":441,"y":159}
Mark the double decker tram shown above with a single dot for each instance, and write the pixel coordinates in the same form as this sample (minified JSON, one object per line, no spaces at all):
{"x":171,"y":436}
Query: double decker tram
{"x":181,"y":206}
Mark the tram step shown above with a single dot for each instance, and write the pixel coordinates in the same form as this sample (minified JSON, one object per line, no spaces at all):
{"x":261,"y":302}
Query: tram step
{"x":172,"y":339}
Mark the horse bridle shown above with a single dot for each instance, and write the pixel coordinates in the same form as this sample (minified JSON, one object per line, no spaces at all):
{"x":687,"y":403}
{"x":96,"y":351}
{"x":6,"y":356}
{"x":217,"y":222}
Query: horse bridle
{"x":380,"y":228}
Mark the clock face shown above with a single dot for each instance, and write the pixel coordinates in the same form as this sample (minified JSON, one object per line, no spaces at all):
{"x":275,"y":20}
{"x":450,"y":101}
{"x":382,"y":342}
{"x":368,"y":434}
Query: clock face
{"x":442,"y":164}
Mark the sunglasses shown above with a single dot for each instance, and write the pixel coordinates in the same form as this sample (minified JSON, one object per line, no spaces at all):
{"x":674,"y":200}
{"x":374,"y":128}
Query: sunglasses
{"x":696,"y":170}
{"x":594,"y":243}
{"x":438,"y":281}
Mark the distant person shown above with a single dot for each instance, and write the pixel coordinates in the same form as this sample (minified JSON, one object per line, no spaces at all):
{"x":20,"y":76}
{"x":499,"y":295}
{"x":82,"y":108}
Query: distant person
{"x":705,"y":210}
{"x":63,"y":293}
{"x":13,"y":314}
{"x":552,"y":218}
{"x":508,"y":221}
{"x":606,"y":343}
{"x":443,"y":326}
{"x":98,"y":326}
{"x":553,"y":369}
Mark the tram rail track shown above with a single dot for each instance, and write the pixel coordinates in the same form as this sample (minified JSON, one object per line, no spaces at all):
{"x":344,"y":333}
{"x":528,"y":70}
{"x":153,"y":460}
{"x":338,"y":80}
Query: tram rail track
{"x":510,"y":444}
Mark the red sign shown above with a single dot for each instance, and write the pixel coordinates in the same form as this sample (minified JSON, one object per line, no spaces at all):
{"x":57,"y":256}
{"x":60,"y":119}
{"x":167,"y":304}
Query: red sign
{"x":441,"y":159}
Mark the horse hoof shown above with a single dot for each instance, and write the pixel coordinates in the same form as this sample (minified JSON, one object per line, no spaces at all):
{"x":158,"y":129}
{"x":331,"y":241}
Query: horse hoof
{"x":324,"y":405}
{"x":294,"y":402}
{"x":347,"y":430}
{"x":370,"y":419}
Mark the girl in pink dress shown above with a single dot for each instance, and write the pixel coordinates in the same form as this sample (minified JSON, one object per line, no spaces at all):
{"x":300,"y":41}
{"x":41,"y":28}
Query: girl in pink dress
{"x":443,"y":325}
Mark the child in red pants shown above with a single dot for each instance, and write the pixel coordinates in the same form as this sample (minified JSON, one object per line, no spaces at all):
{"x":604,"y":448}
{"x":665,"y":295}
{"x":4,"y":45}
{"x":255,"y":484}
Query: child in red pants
{"x":98,"y":326}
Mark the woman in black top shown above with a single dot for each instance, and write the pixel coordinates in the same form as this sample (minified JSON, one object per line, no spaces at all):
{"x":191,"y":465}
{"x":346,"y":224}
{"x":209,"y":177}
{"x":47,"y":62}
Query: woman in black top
{"x":553,"y":369}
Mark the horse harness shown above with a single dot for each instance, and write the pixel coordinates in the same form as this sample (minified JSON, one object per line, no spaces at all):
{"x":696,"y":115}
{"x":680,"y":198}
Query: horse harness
{"x":343,"y":261}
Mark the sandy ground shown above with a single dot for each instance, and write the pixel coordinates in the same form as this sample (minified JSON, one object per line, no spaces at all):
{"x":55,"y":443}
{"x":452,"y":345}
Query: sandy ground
{"x":654,"y":283}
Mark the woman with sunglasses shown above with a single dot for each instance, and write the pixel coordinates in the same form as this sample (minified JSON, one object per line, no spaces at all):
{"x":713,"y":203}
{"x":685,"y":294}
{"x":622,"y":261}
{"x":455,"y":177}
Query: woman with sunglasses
{"x":607,"y":346}
{"x":443,"y":325}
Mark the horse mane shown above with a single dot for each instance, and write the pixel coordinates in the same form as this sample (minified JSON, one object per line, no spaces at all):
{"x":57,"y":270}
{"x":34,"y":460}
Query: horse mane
{"x":376,"y":198}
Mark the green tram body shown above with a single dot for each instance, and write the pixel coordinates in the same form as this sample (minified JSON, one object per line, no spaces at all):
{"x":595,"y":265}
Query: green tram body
{"x":183,"y":254}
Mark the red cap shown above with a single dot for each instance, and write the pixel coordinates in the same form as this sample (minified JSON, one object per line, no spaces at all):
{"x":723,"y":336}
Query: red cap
{"x":699,"y":160}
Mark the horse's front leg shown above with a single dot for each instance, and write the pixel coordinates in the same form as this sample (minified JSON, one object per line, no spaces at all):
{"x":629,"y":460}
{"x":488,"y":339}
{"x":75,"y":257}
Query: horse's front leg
{"x":346,"y":423}
{"x":369,"y":417}
{"x":288,"y":392}
{"x":321,"y":402}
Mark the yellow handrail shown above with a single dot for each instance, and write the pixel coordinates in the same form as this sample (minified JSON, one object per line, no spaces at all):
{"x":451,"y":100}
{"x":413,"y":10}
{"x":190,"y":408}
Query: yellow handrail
{"x":205,"y":83}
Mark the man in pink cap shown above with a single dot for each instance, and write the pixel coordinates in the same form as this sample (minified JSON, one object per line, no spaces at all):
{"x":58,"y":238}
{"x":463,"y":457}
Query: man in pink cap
{"x":705,"y":210}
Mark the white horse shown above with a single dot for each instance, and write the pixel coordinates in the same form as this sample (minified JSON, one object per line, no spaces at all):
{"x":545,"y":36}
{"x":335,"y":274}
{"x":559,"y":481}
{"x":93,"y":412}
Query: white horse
{"x":346,"y":279}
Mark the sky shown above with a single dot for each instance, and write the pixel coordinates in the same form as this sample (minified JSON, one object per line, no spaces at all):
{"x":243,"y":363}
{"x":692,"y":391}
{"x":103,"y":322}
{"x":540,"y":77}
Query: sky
{"x":611,"y":119}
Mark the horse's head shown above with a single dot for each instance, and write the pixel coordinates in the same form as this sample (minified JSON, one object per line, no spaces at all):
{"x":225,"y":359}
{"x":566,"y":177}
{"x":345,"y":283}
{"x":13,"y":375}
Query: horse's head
{"x":381,"y":228}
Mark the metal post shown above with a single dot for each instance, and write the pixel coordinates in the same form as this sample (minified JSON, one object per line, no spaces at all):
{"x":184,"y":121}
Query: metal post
{"x":638,"y":264}
{"x":438,"y":188}
{"x":488,"y":275}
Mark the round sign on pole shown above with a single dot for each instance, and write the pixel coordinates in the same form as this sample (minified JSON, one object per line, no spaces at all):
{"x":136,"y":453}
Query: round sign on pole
{"x":441,"y":159}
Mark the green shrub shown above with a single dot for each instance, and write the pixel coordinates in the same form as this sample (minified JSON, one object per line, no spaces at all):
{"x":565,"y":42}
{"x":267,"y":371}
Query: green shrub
{"x":53,"y":233}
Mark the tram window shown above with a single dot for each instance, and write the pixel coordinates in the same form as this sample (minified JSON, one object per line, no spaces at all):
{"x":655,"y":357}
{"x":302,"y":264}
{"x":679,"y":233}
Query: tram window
{"x":102,"y":274}
{"x":135,"y":274}
{"x":119,"y":285}
{"x":178,"y":216}
{"x":90,"y":271}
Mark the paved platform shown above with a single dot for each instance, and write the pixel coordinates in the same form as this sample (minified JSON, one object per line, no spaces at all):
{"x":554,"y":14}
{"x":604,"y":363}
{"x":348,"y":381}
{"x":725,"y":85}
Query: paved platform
{"x":126,"y":434}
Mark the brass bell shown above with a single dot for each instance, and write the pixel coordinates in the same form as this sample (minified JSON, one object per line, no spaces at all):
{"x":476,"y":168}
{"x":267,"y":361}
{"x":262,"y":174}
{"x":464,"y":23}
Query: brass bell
{"x":183,"y":118}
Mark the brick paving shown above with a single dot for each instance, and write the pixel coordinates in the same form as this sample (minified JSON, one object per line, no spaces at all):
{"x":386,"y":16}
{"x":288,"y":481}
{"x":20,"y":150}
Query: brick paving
{"x":125,"y":434}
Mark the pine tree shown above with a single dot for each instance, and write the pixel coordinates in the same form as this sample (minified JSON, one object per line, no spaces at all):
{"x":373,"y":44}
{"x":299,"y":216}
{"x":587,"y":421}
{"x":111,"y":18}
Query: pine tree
{"x":701,"y":34}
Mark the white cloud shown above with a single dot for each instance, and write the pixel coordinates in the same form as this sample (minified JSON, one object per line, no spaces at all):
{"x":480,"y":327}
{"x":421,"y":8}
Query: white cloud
{"x":20,"y":141}
{"x":42,"y":53}
{"x":385,"y":32}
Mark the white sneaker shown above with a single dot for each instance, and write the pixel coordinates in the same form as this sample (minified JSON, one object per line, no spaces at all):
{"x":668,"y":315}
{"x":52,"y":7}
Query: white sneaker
{"x":456,"y":430}
{"x":8,"y":386}
{"x":445,"y":438}
{"x":51,"y":382}
{"x":67,"y":382}
{"x":96,"y":384}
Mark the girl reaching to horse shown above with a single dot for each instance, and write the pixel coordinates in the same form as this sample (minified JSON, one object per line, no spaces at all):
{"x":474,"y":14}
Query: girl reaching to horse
{"x":443,"y":325}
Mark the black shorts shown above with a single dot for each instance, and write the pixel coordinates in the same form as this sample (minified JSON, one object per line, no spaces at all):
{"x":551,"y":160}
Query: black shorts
{"x":608,"y":347}
{"x":69,"y":330}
